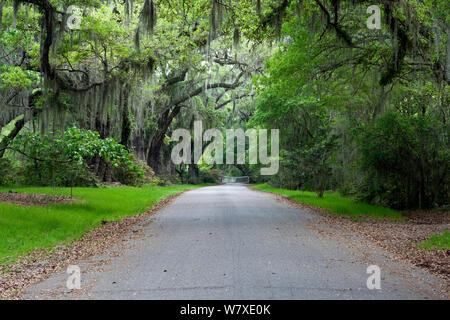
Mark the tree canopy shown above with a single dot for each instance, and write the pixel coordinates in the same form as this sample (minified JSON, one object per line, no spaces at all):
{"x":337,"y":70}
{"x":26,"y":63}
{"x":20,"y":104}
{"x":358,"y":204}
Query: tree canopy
{"x":360,"y":110}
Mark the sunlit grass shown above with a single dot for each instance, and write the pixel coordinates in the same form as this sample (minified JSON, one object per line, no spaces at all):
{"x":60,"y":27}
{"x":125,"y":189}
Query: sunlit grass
{"x":24,"y":229}
{"x":336,"y":203}
{"x":437,"y":242}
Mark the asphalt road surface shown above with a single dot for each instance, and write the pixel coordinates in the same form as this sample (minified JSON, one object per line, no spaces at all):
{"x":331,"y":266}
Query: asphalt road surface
{"x":230,"y":242}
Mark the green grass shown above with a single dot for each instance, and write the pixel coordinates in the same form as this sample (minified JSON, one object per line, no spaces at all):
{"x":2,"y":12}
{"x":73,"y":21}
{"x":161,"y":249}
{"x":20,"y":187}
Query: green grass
{"x":437,"y":242}
{"x":24,"y":229}
{"x":337,"y":204}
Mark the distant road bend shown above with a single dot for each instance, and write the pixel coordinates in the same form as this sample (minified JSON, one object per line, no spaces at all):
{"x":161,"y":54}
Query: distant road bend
{"x":229,"y":242}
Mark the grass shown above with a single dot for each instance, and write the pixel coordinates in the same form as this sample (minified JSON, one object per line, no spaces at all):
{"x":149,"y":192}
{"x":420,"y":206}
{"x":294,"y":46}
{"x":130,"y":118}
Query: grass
{"x":336,"y":204}
{"x":24,"y":229}
{"x":437,"y":242}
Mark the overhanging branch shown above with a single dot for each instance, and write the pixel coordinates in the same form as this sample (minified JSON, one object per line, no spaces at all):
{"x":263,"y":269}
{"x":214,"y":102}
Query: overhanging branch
{"x":208,"y":87}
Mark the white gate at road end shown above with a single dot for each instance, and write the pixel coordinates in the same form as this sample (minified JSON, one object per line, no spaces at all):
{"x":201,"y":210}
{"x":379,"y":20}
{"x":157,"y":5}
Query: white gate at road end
{"x":244,"y":179}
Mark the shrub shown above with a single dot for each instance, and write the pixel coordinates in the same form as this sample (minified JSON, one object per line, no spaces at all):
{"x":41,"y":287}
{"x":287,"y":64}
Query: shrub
{"x":158,"y":182}
{"x":61,"y":175}
{"x":406,"y":161}
{"x":61,"y":159}
{"x":138,"y":174}
{"x":5,"y":169}
{"x":210,"y":176}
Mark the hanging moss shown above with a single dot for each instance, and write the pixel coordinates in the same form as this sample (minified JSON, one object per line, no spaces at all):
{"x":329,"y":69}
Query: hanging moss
{"x":137,"y":40}
{"x":128,"y":10}
{"x":236,"y":37}
{"x":16,"y":6}
{"x":213,"y":17}
{"x":148,"y":16}
{"x":258,"y":7}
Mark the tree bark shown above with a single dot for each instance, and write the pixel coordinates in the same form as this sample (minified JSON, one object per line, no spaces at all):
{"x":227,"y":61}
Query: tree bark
{"x":126,"y":123}
{"x":153,"y":158}
{"x":157,"y":140}
{"x":193,"y":173}
{"x":102,"y":169}
{"x":18,"y":125}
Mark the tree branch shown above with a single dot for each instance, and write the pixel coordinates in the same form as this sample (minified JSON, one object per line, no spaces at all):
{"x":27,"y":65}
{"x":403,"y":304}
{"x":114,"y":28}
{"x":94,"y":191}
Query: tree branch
{"x":339,"y":31}
{"x":220,"y":106}
{"x":208,"y":87}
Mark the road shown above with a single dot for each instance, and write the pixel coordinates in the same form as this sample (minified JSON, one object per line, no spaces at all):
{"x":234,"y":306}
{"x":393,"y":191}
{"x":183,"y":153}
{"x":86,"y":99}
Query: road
{"x":230,"y":242}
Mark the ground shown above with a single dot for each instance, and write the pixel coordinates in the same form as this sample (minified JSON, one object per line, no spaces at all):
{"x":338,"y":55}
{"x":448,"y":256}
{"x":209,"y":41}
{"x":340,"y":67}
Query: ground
{"x":30,"y":199}
{"x":230,"y":242}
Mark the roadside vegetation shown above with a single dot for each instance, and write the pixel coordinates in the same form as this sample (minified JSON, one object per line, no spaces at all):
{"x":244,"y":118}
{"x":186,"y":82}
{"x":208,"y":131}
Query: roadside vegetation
{"x":335,"y":203}
{"x":27,"y":228}
{"x":361,"y":111}
{"x":437,"y":242}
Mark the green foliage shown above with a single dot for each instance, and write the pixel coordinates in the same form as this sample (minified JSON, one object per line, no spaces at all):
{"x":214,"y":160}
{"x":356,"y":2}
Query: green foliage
{"x":74,"y":145}
{"x":325,"y":75}
{"x":62,"y":158}
{"x":6,"y":130}
{"x":5,"y":170}
{"x":25,"y":229}
{"x":16,"y":77}
{"x":336,"y":204}
{"x":137,"y":174}
{"x":160,"y":182}
{"x":406,"y":160}
{"x":322,"y":83}
{"x":210,"y":176}
{"x":307,"y":168}
{"x":54,"y":174}
{"x":437,"y":242}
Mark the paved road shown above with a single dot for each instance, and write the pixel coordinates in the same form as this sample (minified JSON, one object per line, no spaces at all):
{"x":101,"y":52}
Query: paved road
{"x":229,"y":242}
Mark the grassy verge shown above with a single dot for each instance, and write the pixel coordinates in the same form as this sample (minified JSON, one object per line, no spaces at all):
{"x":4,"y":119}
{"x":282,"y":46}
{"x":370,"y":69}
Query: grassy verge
{"x":335,"y":203}
{"x":437,"y":242}
{"x":24,"y":229}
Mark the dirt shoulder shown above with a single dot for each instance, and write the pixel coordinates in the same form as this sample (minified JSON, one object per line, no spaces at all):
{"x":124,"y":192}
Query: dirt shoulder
{"x":28,"y":199}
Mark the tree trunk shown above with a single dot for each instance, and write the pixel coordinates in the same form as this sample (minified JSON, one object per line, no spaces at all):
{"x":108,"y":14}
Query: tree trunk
{"x":108,"y":173}
{"x":102,"y":169}
{"x":193,"y":172}
{"x":153,"y":157}
{"x":157,"y":141}
{"x":126,"y":123}
{"x":18,"y":125}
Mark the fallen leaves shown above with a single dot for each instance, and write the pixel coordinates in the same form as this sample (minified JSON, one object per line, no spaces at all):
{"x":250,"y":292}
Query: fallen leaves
{"x":28,"y":199}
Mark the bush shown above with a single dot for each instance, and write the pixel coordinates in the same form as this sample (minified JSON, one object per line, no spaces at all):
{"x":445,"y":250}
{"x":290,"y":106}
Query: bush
{"x":138,"y":174}
{"x":60,"y":175}
{"x":158,"y":182}
{"x":306,"y":168}
{"x":61,"y":159}
{"x":166,"y":180}
{"x":5,"y":170}
{"x":210,"y":176}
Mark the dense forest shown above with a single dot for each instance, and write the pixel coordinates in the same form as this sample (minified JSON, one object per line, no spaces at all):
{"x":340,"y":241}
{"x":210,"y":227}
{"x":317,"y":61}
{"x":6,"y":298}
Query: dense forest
{"x":92,"y":90}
